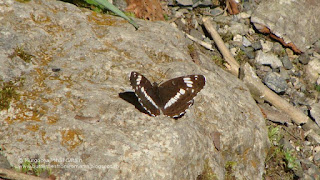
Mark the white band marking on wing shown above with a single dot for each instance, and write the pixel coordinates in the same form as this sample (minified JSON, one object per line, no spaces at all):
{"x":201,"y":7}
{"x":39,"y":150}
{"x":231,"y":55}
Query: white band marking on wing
{"x":175,"y":98}
{"x":149,"y":98}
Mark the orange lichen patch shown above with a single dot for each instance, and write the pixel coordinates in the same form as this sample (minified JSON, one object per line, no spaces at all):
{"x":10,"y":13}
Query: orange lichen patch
{"x":40,"y":77}
{"x":40,"y":18}
{"x":43,"y":137}
{"x":263,"y":29}
{"x":244,"y":155}
{"x":52,"y":119}
{"x":33,"y":128}
{"x":146,"y":9}
{"x":56,"y":101}
{"x":71,"y":138}
{"x":22,"y":113}
{"x":253,"y":163}
{"x":45,"y":57}
{"x":103,"y":19}
{"x":8,"y":120}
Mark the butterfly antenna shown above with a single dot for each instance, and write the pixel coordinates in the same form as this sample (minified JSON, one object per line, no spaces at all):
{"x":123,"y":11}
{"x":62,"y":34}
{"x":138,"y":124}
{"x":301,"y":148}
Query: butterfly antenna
{"x":165,"y":75}
{"x":167,"y":71}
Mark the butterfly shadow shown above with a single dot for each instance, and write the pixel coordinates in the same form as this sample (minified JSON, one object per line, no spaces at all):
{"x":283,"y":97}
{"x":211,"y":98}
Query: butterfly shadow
{"x":131,"y":98}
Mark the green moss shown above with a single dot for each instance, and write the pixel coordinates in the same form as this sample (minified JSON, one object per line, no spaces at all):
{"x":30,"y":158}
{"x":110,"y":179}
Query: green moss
{"x":290,"y":159}
{"x":317,"y":87}
{"x":274,"y":134}
{"x":241,"y":57}
{"x":33,"y":167}
{"x":207,"y":173}
{"x":166,"y":17}
{"x":227,"y":37}
{"x":7,"y":94}
{"x":280,"y":161}
{"x":218,"y":61}
{"x":20,"y":52}
{"x":191,"y":48}
{"x":229,"y":167}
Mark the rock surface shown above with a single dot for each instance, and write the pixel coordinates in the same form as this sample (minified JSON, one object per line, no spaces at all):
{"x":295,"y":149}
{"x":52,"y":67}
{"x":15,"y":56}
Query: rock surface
{"x":293,"y":21}
{"x":275,"y":82}
{"x":315,"y":112}
{"x":313,"y":70}
{"x":70,"y":114}
{"x":268,"y":59}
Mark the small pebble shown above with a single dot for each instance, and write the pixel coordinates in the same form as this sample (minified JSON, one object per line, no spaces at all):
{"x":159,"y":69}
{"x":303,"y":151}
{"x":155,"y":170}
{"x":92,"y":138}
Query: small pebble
{"x":246,"y":42}
{"x":275,"y":82}
{"x":304,"y":58}
{"x":266,"y":46}
{"x":277,"y":49}
{"x":286,"y":63}
{"x":216,"y":11}
{"x":256,"y":45}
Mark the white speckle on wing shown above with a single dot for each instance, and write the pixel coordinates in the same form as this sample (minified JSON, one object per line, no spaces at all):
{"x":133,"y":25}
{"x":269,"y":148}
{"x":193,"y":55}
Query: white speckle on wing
{"x":188,"y":81}
{"x":182,"y":91}
{"x":139,"y":79}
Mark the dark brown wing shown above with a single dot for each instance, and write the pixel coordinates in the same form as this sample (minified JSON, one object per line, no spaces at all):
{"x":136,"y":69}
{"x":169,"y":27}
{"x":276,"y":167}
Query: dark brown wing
{"x":146,"y":93}
{"x":177,"y":94}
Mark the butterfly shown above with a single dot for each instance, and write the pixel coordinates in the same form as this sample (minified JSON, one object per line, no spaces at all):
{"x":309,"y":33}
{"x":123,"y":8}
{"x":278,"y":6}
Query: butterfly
{"x":172,"y":97}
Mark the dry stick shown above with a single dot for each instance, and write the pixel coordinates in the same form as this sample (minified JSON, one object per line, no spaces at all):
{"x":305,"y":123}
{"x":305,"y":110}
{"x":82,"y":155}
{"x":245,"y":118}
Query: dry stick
{"x":259,"y":90}
{"x":233,"y":64}
{"x":202,"y":43}
{"x":256,"y":87}
{"x":10,"y":174}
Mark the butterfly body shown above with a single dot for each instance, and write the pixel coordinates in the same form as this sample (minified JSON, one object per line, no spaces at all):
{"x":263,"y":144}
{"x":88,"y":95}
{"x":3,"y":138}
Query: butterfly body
{"x":172,"y":97}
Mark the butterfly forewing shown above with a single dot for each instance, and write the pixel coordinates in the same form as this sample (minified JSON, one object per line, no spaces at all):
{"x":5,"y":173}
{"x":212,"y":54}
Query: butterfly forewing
{"x":176,"y":95}
{"x":146,"y":93}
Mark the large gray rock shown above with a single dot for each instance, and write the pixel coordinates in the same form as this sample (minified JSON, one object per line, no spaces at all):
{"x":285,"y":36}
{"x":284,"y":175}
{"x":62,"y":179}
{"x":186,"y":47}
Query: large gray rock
{"x":293,"y":21}
{"x":70,"y":113}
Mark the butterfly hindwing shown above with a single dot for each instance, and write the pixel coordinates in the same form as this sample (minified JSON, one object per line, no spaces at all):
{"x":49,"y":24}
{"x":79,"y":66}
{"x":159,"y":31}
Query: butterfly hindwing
{"x":146,"y":93}
{"x":177,"y":94}
{"x":172,"y":97}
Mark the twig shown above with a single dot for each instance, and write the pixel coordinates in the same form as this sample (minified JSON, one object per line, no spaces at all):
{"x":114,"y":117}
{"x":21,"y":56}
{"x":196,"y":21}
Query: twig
{"x":259,"y":90}
{"x":202,"y":43}
{"x":256,"y":87}
{"x":233,"y":64}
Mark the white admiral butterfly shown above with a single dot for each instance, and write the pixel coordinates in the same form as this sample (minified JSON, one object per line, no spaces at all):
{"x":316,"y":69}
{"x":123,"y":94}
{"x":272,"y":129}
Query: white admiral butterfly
{"x":172,"y":97}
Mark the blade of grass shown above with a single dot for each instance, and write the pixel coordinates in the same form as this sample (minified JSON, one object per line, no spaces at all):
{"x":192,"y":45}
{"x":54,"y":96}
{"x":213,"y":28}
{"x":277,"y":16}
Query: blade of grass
{"x":111,"y":7}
